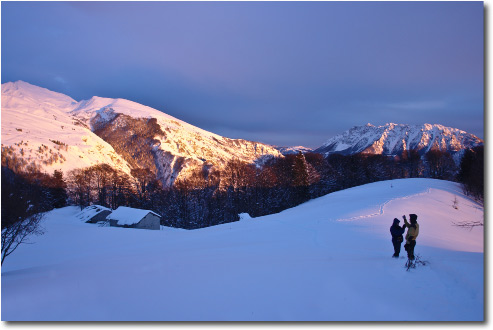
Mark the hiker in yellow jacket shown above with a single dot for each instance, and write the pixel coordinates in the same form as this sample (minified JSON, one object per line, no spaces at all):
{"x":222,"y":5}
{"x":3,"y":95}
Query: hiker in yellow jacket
{"x":412,"y":233}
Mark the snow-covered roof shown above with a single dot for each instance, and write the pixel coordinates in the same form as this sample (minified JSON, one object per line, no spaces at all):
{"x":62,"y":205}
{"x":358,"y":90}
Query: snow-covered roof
{"x":91,"y":211}
{"x":128,"y":215}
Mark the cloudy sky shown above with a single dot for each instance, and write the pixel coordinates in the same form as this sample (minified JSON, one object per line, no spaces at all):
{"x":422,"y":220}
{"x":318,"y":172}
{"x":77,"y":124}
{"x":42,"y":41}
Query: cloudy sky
{"x":283,"y":73}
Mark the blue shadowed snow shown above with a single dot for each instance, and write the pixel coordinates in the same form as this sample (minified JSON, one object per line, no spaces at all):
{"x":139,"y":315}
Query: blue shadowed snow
{"x":328,"y":259}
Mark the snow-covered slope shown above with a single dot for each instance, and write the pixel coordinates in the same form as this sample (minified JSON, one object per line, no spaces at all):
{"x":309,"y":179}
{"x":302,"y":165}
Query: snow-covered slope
{"x":37,"y":127}
{"x":102,"y":130}
{"x":393,"y":139}
{"x":326,"y":260}
{"x":176,"y":146}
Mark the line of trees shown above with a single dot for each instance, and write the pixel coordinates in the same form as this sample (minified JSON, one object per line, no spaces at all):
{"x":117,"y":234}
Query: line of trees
{"x":208,"y":197}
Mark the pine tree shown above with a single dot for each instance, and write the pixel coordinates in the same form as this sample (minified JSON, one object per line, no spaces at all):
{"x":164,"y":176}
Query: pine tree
{"x":300,"y":171}
{"x":59,"y":189}
{"x":471,"y":173}
{"x":300,"y":177}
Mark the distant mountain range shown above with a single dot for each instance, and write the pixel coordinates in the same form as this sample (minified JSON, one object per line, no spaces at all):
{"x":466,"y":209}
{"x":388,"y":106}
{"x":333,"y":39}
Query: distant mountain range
{"x":392,"y":139}
{"x":55,"y":132}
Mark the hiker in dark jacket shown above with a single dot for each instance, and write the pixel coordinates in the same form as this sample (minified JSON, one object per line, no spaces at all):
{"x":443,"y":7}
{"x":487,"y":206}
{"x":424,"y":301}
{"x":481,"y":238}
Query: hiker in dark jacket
{"x":396,"y":231}
{"x":411,"y":235}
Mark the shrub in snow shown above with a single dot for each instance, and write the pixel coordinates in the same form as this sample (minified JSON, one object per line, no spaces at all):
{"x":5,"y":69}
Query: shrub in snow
{"x":244,"y":216}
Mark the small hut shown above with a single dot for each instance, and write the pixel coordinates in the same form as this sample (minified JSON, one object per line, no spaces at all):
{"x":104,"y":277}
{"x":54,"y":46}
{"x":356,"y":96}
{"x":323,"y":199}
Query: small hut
{"x":93,"y":214}
{"x":134,"y":218}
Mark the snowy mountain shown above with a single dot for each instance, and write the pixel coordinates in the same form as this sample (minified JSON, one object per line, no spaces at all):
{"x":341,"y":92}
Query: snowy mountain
{"x":393,"y":139}
{"x":328,"y":259}
{"x":37,"y":127}
{"x":38,"y":123}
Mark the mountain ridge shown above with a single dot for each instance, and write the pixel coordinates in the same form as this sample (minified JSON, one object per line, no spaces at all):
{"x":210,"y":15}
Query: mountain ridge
{"x":32,"y":116}
{"x":56,"y":132}
{"x":392,"y":139}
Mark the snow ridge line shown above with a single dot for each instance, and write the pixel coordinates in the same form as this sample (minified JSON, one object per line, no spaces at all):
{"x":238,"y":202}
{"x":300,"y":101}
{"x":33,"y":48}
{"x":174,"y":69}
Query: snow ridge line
{"x":381,"y":211}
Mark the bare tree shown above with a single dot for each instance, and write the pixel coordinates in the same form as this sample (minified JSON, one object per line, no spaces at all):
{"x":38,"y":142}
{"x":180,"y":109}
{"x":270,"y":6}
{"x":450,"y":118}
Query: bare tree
{"x":455,"y":203}
{"x":101,"y":174}
{"x":440,"y":164}
{"x":142,"y":178}
{"x":80,"y":181}
{"x":18,"y":233}
{"x":26,"y":203}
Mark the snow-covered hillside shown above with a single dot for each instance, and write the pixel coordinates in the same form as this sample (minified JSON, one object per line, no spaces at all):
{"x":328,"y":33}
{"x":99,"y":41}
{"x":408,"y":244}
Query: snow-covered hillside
{"x":38,"y":127}
{"x":95,"y":131}
{"x":327,"y":259}
{"x":176,"y":148}
{"x":393,"y":139}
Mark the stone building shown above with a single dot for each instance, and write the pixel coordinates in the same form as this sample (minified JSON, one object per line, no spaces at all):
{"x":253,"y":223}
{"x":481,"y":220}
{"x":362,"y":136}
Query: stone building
{"x":134,"y":218}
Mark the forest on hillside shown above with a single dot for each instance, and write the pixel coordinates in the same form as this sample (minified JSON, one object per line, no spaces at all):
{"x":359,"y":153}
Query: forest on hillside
{"x":208,"y":197}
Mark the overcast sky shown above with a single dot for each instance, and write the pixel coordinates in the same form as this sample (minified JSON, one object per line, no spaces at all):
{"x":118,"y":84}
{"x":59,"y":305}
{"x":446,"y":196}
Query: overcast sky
{"x":283,"y":73}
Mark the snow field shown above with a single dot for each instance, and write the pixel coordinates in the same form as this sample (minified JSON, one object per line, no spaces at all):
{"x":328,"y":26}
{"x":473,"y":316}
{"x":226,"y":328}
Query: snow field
{"x":326,"y":260}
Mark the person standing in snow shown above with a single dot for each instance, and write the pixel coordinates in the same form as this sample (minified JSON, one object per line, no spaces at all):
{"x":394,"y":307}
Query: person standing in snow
{"x":397,"y":231}
{"x":412,"y":233}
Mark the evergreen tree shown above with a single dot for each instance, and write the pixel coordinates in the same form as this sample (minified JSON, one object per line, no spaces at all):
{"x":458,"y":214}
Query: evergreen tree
{"x":471,"y":173}
{"x":59,"y":189}
{"x":299,"y":171}
{"x":300,"y":176}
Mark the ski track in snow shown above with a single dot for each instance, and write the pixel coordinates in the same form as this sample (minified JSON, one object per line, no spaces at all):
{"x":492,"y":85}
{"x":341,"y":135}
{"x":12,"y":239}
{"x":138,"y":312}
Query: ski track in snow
{"x":382,"y":206}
